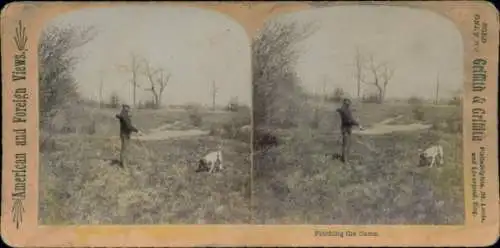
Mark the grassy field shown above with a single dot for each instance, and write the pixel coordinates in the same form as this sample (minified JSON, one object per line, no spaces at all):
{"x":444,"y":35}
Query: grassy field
{"x":159,"y":186}
{"x":296,"y":183}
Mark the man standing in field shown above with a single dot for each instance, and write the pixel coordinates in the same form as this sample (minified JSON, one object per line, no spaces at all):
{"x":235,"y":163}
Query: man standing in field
{"x":126,"y":128}
{"x":347,"y":122}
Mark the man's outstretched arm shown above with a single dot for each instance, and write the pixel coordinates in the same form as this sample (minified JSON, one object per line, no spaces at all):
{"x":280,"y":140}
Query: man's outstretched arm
{"x":127,"y":122}
{"x":130,"y":126}
{"x":353,"y":121}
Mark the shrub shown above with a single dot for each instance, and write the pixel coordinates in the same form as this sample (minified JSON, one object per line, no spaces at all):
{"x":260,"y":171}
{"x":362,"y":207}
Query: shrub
{"x":146,"y":105}
{"x":371,"y":98}
{"x":91,"y":129}
{"x":114,"y":101}
{"x":277,"y":93}
{"x":57,"y":61}
{"x":415,"y":100}
{"x":454,"y":124}
{"x":418,"y":113}
{"x":456,"y":100}
{"x":315,"y":119}
{"x":232,"y":128}
{"x":195,"y":117}
{"x":233,"y":105}
{"x":450,"y":124}
{"x":337,"y":96}
{"x":191,"y":106}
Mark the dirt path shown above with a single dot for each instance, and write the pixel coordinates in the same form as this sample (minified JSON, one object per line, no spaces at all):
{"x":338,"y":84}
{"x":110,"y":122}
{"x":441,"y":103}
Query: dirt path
{"x":384,"y":128}
{"x":168,"y":134}
{"x":160,"y":133}
{"x":389,"y":120}
{"x":170,"y":130}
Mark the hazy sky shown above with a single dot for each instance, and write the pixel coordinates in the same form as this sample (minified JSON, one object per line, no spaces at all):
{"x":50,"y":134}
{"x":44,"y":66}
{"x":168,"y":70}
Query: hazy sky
{"x":200,"y":46}
{"x":197,"y":46}
{"x":418,"y":44}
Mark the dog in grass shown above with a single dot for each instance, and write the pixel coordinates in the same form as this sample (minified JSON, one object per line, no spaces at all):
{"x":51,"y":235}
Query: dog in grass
{"x":431,"y":156}
{"x":212,"y":161}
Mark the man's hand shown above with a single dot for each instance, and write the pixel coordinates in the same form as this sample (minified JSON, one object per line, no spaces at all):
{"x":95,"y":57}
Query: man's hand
{"x":140,"y":133}
{"x":361,"y":128}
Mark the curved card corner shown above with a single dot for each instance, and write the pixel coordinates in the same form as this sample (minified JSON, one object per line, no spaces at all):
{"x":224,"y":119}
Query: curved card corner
{"x":489,"y":5}
{"x":11,"y":7}
{"x":6,"y":8}
{"x":8,"y":236}
{"x":493,"y":239}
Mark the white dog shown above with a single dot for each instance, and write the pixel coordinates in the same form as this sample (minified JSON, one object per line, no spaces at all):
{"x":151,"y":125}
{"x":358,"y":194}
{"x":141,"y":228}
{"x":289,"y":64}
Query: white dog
{"x":432,"y":153}
{"x":212,"y":161}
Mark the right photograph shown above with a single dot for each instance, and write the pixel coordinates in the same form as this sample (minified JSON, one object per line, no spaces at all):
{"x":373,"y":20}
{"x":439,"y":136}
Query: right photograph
{"x":357,"y":114}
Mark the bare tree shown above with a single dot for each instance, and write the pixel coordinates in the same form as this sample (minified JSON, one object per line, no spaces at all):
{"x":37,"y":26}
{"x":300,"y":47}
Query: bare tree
{"x":358,"y":63}
{"x":386,"y":76}
{"x":101,"y":84}
{"x":215,"y":89}
{"x":134,"y":68}
{"x":381,"y":75}
{"x":325,"y":93}
{"x":158,"y":79}
{"x":436,"y":101}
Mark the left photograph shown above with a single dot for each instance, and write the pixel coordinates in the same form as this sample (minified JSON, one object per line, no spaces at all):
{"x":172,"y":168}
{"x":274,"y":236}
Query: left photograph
{"x":145,"y":117}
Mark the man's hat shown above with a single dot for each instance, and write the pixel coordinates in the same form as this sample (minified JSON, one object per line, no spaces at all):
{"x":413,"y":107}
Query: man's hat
{"x":125,"y":106}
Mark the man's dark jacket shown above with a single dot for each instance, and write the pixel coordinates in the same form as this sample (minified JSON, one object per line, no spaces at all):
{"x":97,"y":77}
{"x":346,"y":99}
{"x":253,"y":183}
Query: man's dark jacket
{"x":126,"y":127}
{"x":346,"y":118}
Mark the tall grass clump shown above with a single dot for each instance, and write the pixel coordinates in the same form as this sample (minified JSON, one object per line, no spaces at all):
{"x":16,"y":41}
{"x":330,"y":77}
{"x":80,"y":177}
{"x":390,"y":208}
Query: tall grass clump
{"x":418,"y":112}
{"x":194,"y":113}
